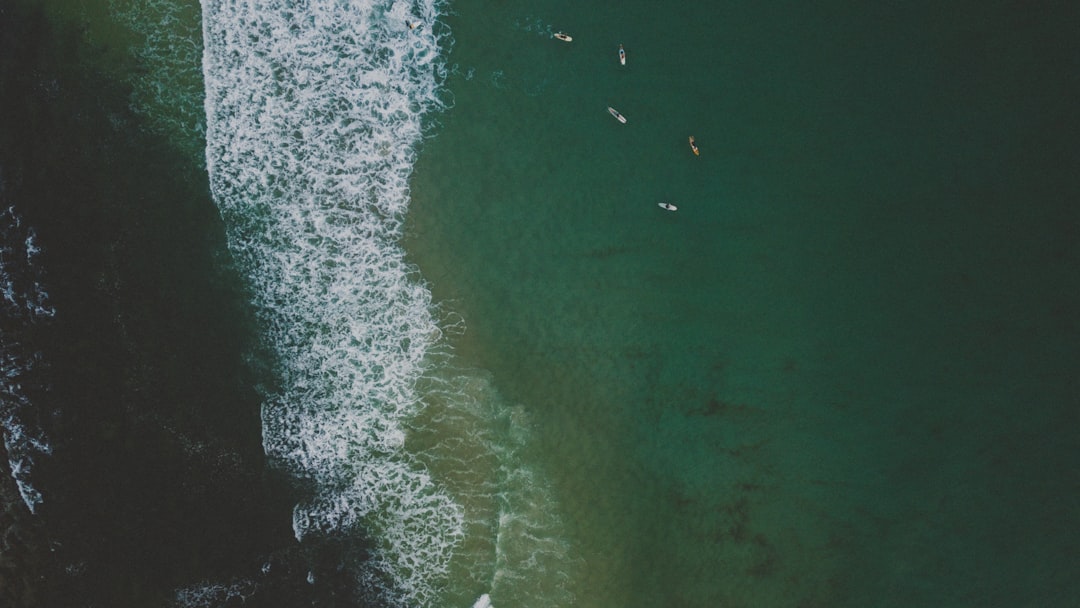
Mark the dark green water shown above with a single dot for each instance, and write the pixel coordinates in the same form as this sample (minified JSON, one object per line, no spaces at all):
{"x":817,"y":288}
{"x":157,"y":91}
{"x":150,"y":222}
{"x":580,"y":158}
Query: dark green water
{"x":845,"y":371}
{"x":156,"y":479}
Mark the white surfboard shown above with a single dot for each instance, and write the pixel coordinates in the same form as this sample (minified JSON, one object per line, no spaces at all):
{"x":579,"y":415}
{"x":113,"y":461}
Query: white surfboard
{"x":615,"y":113}
{"x":622,"y":56}
{"x":563,"y":37}
{"x":668,"y":206}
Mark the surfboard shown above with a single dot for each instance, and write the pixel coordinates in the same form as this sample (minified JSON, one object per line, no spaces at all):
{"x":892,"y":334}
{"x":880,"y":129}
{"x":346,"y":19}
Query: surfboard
{"x":622,"y":56}
{"x":563,"y":37}
{"x":615,"y":113}
{"x":693,"y":145}
{"x":668,"y":206}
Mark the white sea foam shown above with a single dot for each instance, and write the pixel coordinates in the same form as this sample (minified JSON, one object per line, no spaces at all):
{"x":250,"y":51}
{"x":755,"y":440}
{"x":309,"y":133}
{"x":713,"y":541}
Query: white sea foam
{"x":213,"y":595}
{"x":24,"y":303}
{"x":314,"y":110}
{"x":515,"y":545}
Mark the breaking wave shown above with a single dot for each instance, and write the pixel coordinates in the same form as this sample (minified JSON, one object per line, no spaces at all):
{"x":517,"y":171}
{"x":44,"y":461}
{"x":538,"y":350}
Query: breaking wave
{"x":315,"y":110}
{"x":23,"y":304}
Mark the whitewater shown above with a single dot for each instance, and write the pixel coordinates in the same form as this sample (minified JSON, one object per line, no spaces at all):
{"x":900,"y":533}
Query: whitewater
{"x":24,"y":303}
{"x":314,"y":113}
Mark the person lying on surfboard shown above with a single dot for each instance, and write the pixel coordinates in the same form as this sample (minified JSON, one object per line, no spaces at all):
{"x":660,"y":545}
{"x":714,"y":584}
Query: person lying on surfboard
{"x":693,"y":146}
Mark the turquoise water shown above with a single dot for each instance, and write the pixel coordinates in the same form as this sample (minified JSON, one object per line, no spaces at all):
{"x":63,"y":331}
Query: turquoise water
{"x":833,"y":377}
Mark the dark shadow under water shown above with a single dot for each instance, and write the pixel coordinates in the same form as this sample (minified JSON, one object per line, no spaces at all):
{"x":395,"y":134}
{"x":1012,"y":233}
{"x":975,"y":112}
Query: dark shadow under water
{"x":148,"y":396}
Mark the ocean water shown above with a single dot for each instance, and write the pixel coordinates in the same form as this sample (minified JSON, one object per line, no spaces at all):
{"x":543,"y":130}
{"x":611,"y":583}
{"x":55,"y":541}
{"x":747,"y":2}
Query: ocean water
{"x":839,"y":373}
{"x":133,"y":469}
{"x":335,"y":311}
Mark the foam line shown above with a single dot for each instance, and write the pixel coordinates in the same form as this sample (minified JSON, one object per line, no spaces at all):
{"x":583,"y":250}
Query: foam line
{"x":314,"y":111}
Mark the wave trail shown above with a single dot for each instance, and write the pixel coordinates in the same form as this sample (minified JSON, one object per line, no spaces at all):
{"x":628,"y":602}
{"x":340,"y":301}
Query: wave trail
{"x":314,"y":110}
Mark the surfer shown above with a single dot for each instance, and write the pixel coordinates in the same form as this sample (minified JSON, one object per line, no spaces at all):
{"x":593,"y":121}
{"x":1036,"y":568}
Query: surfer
{"x":412,"y":26}
{"x":693,"y":146}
